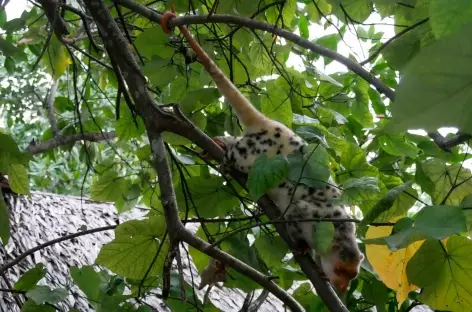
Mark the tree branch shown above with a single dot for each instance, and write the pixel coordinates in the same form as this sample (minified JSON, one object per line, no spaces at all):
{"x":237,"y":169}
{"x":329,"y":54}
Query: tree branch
{"x":253,"y":24}
{"x":386,"y":43}
{"x":446,"y":144}
{"x":52,"y":242}
{"x":64,"y":140}
{"x":155,"y":120}
{"x":50,"y":107}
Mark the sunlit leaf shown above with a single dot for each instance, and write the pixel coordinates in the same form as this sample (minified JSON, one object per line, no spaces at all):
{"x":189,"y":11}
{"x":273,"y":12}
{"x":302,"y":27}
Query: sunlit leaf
{"x":134,"y":251}
{"x":443,"y":271}
{"x":391,"y":266}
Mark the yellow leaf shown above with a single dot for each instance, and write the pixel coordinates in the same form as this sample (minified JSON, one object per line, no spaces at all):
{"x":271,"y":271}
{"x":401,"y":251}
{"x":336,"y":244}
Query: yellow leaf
{"x":56,"y":59}
{"x":389,"y":265}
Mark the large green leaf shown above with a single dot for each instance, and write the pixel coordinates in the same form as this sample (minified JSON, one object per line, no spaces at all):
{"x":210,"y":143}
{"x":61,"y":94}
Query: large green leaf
{"x":451,"y":181}
{"x":444,"y":273}
{"x":353,"y":158}
{"x":272,"y":249}
{"x":398,"y":146}
{"x":107,"y":186}
{"x":18,"y":178}
{"x":209,"y":195}
{"x":134,"y":251}
{"x":153,"y":41}
{"x":43,"y":294}
{"x":441,"y":221}
{"x":88,"y":281}
{"x":276,"y":105}
{"x":448,"y":17}
{"x":128,"y":126}
{"x":385,"y":203}
{"x":266,"y":173}
{"x":434,"y":89}
{"x":30,"y":278}
{"x":160,"y":72}
{"x":310,"y":167}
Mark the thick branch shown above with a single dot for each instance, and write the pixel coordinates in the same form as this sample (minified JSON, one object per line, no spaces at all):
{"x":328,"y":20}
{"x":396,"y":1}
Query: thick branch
{"x":253,"y":24}
{"x":446,"y":144}
{"x":154,"y":117}
{"x":61,"y":140}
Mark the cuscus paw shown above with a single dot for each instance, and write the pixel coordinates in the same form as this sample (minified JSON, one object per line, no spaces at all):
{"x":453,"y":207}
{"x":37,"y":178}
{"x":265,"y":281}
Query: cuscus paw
{"x":301,"y":251}
{"x":204,"y":155}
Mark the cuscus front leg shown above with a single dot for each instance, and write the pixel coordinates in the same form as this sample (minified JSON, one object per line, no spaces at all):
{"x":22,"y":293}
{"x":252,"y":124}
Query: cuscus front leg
{"x":225,"y":142}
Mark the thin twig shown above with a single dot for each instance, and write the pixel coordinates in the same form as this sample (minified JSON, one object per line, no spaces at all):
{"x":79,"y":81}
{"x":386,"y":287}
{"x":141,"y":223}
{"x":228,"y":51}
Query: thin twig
{"x":254,"y":24}
{"x":52,"y":242}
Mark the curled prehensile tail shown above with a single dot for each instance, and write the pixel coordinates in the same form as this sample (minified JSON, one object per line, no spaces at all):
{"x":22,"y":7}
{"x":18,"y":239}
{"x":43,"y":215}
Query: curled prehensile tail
{"x":246,"y":112}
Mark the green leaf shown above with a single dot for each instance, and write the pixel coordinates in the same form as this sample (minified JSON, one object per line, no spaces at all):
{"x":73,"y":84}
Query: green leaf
{"x":132,"y":253}
{"x":449,"y":17}
{"x":265,"y":174}
{"x":4,"y":220}
{"x":356,"y":189}
{"x":360,"y":107}
{"x":43,"y":294}
{"x":18,"y":178}
{"x":30,"y":278}
{"x":9,"y":64}
{"x":434,"y":90}
{"x":397,"y":145}
{"x":272,"y":249}
{"x":353,"y":159}
{"x":310,"y":167}
{"x":107,"y":187}
{"x":276,"y":105}
{"x":31,"y":306}
{"x":197,"y":99}
{"x":129,"y":199}
{"x":444,"y":273}
{"x":160,"y":72}
{"x":88,"y":281}
{"x":323,"y":236}
{"x":128,"y":126}
{"x":441,"y":221}
{"x":208,"y":195}
{"x":385,"y":203}
{"x":303,"y":26}
{"x":453,"y":182}
{"x":357,"y":10}
{"x":56,"y":59}
{"x":154,"y":42}
{"x":10,"y":153}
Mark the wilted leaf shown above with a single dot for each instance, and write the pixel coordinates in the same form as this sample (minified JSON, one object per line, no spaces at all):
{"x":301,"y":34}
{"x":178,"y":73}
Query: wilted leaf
{"x":391,"y":266}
